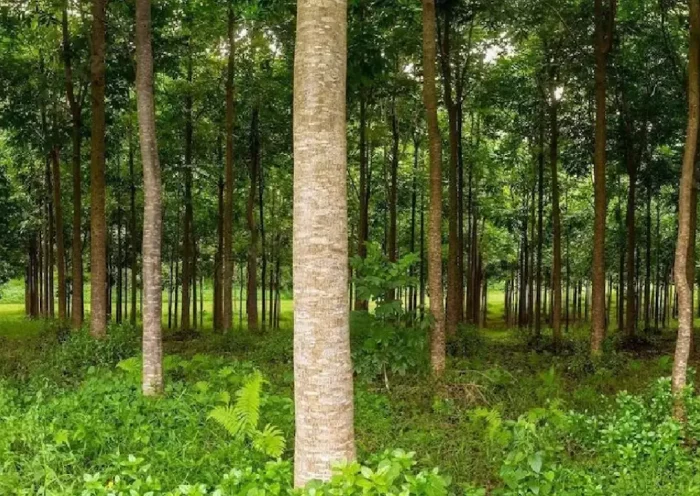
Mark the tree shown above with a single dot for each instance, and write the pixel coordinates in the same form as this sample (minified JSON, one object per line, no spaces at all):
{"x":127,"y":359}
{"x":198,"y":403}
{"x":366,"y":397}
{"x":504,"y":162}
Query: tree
{"x":685,"y":256}
{"x":437,"y":340}
{"x":98,"y":222}
{"x":227,"y":258}
{"x":323,"y":383}
{"x":152,"y":379}
{"x":604,"y":28}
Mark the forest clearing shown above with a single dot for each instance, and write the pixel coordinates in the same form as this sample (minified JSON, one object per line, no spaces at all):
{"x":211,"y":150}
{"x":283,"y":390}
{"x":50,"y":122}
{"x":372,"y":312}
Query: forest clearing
{"x":349,"y":247}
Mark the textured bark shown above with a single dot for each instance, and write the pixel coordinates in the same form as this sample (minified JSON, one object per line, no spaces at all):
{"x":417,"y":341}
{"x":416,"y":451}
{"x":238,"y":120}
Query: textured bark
{"x":98,"y":223}
{"x":556,"y":220}
{"x":437,"y":339}
{"x":60,"y":247}
{"x":152,"y":215}
{"x":227,"y":258}
{"x":684,"y":286}
{"x":604,"y":27}
{"x":76,"y":121}
{"x":323,"y":380}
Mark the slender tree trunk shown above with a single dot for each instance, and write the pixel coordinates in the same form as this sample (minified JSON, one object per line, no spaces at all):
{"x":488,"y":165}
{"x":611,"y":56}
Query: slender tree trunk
{"x":98,"y":223}
{"x":540,"y":232}
{"x":60,"y":247}
{"x":263,"y":244}
{"x":393,"y":188}
{"x":76,"y":121}
{"x":604,"y":26}
{"x":363,"y":231}
{"x":322,"y":366}
{"x":252,"y":286}
{"x":684,"y":250}
{"x":227,"y":257}
{"x":453,"y":311}
{"x":187,"y":251}
{"x":152,"y":213}
{"x":133,"y":231}
{"x":631,"y":310}
{"x":556,"y":219}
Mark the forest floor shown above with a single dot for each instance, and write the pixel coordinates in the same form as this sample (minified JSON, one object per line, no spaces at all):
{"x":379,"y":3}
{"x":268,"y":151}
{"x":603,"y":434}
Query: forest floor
{"x":510,"y":417}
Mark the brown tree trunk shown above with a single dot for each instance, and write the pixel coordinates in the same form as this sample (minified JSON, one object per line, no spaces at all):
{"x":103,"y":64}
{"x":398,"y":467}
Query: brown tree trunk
{"x":363,"y":231}
{"x":98,"y":223}
{"x":133,"y":235}
{"x":60,"y":247}
{"x":252,"y":285}
{"x":556,"y":219}
{"x":540,"y":232}
{"x":393,"y":188}
{"x":187,"y":236}
{"x":631,"y":310}
{"x":604,"y":26}
{"x":323,"y":378}
{"x":227,"y":257}
{"x":152,"y":375}
{"x":453,"y":311}
{"x":437,"y":341}
{"x":263,"y":244}
{"x":76,"y":120}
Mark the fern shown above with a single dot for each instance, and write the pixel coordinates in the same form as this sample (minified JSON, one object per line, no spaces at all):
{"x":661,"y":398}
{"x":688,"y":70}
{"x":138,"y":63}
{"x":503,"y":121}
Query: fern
{"x":269,"y":441}
{"x":130,"y":365}
{"x":241,"y":420}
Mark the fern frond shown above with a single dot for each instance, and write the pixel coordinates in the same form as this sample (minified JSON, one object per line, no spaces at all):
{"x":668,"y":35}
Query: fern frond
{"x":269,"y":441}
{"x":226,"y":417}
{"x":130,"y":365}
{"x":247,"y":407}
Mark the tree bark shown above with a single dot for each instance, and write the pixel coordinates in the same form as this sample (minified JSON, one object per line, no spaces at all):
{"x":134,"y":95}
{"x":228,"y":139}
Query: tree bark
{"x":437,"y":340}
{"x":76,"y":121}
{"x":60,"y":247}
{"x":363,"y":231}
{"x":252,"y":285}
{"x":604,"y":27}
{"x":323,"y":378}
{"x":98,"y":223}
{"x":556,"y":219}
{"x":152,"y":376}
{"x":227,"y":258}
{"x":684,"y":287}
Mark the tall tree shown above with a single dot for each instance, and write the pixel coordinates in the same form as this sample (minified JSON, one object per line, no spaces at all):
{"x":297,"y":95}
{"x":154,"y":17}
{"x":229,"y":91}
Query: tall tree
{"x":323,"y":378}
{"x":152,"y":378}
{"x":227,"y":258}
{"x":684,"y":255}
{"x":60,"y":247}
{"x":98,"y":221}
{"x":75,"y":104}
{"x":437,"y":340}
{"x":604,"y":28}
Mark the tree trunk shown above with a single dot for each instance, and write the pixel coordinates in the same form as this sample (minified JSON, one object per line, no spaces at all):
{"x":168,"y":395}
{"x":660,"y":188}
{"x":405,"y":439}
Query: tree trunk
{"x":323,"y":378}
{"x":98,"y":223}
{"x":187,"y":251}
{"x":453,"y":310}
{"x":152,"y":375}
{"x":76,"y":120}
{"x":540,"y":233}
{"x":252,"y":286}
{"x":631,"y":310}
{"x":684,"y":286}
{"x":393,"y":189}
{"x":604,"y":26}
{"x":556,"y":220}
{"x":133,"y":232}
{"x":437,"y":341}
{"x":60,"y":247}
{"x":363,"y":231}
{"x":227,"y":257}
{"x":263,"y":244}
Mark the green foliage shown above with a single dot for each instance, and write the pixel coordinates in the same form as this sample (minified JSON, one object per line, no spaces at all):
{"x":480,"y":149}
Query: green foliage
{"x":241,"y":420}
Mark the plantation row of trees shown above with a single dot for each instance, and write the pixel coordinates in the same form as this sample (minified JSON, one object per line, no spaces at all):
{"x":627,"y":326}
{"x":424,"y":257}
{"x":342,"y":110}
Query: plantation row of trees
{"x":520,"y":146}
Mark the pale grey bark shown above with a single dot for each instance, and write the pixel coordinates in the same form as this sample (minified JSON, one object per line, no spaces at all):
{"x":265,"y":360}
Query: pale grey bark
{"x":322,"y":365}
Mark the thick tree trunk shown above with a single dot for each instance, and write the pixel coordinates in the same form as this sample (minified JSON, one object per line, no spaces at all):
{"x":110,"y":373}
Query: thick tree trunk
{"x":604,"y":26}
{"x":152,"y":213}
{"x":437,"y":341}
{"x":227,"y":257}
{"x":685,"y":217}
{"x":98,"y":223}
{"x":323,"y":379}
